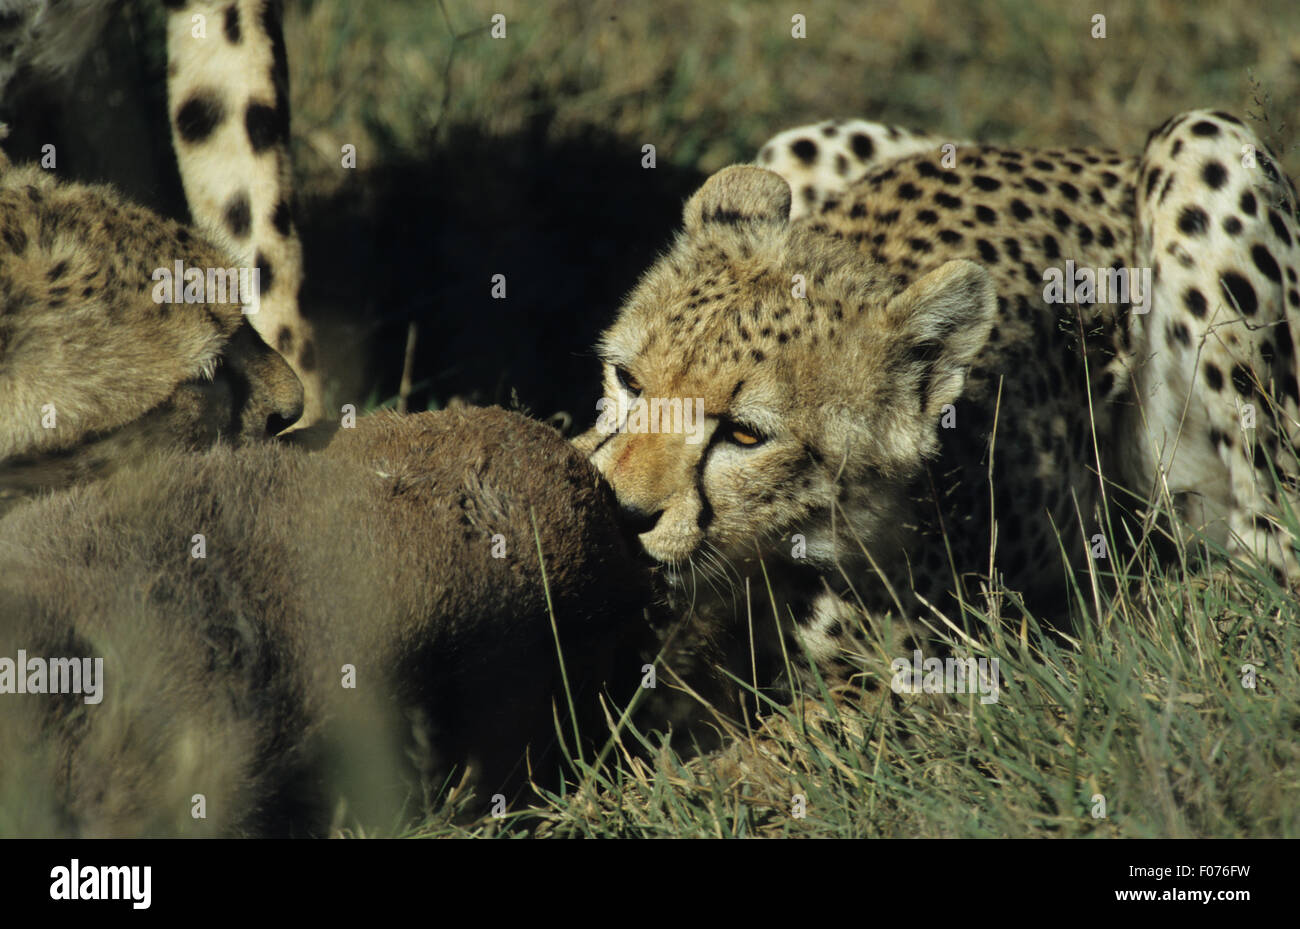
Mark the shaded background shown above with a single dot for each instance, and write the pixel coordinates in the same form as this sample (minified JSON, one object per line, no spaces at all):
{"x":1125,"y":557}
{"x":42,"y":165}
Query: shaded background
{"x":522,"y":156}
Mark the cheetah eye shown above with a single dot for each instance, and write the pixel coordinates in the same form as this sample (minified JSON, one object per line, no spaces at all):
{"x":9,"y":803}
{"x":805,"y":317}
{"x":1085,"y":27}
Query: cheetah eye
{"x":742,"y":435}
{"x":626,"y":380}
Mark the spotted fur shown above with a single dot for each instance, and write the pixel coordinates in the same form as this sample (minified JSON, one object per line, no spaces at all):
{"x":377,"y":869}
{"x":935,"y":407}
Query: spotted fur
{"x":838,"y":151}
{"x":228,"y":102}
{"x":94,"y":374}
{"x":870,"y":354}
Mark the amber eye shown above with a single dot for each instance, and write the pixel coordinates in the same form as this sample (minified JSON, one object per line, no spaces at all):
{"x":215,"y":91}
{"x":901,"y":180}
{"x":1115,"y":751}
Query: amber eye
{"x":738,"y":434}
{"x":626,"y":380}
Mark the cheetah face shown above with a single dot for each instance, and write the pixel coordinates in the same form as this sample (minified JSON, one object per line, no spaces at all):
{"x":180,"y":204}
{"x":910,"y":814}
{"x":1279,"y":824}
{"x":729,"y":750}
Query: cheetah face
{"x":762,"y":375}
{"x":96,"y":373}
{"x":711,"y":478}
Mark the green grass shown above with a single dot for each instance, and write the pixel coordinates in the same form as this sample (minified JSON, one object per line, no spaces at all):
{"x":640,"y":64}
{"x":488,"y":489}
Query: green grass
{"x":1145,"y":704}
{"x":707,"y":83}
{"x":1175,"y":712}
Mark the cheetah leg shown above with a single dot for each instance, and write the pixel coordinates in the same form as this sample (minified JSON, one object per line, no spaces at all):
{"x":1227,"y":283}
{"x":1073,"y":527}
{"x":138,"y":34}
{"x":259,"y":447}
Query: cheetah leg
{"x":1215,"y":375}
{"x":227,"y":96}
{"x":820,"y":161}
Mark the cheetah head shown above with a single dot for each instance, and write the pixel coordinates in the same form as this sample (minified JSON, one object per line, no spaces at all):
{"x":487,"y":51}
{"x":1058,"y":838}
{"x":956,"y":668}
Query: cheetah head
{"x":765,"y":373}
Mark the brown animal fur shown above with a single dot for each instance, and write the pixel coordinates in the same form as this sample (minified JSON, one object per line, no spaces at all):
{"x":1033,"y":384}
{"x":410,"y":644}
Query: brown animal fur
{"x":223,"y":674}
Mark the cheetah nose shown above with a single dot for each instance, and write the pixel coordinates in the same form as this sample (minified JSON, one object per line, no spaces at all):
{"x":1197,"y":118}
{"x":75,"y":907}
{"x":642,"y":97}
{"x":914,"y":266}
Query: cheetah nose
{"x":637,"y":520}
{"x":284,"y":406}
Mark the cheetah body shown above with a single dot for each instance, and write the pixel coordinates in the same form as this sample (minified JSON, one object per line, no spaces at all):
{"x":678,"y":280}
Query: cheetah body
{"x":898,"y":406}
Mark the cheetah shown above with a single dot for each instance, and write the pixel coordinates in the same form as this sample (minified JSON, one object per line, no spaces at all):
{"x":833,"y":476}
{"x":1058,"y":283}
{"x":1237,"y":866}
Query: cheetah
{"x":901,"y":393}
{"x":228,"y":106}
{"x":95,"y":372}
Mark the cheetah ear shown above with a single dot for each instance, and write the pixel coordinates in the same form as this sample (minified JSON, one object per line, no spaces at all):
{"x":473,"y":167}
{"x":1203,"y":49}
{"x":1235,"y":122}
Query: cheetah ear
{"x":943,"y":320}
{"x":740,"y":193}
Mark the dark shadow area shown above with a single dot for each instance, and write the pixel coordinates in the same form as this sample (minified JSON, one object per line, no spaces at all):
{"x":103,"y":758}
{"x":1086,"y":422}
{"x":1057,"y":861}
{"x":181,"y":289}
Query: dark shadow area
{"x":571,"y":224}
{"x":107,"y":119}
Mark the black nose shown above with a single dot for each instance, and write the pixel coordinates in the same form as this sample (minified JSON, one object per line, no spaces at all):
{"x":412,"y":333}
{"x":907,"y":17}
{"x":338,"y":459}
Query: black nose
{"x":637,"y":520}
